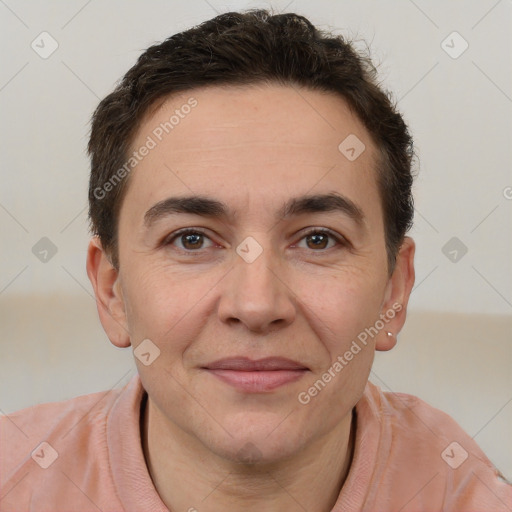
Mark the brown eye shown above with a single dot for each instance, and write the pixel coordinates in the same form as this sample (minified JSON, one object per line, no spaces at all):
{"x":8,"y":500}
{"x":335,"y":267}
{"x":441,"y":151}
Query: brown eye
{"x":318,"y":239}
{"x":190,"y":239}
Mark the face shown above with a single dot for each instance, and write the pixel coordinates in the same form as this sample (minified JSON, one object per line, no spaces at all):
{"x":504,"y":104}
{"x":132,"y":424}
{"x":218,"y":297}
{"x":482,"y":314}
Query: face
{"x":250,"y":294}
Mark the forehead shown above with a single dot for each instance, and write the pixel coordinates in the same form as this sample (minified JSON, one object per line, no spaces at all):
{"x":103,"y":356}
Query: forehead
{"x":256,"y":114}
{"x":250,"y":142}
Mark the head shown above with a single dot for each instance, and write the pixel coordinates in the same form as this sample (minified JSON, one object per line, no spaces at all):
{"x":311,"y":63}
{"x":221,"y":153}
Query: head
{"x":291,"y":169}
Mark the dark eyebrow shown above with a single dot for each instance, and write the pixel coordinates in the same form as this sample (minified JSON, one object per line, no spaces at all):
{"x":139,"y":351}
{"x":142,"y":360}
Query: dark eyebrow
{"x":207,"y":207}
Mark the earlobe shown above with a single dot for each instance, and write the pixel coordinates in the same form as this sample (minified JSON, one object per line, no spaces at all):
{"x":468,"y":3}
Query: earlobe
{"x":387,"y":342}
{"x":396,"y":297}
{"x":107,"y":290}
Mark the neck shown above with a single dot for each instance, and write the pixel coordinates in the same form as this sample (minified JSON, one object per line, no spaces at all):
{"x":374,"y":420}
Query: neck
{"x":188,"y":477}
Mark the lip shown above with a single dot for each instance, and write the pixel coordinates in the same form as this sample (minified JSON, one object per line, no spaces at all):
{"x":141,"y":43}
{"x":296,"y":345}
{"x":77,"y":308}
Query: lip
{"x":256,"y":376}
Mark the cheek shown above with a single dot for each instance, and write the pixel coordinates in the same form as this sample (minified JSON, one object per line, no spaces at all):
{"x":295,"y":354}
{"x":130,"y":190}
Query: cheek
{"x":168,"y":305}
{"x":345,"y":305}
{"x":154,"y":302}
{"x":344,"y":312}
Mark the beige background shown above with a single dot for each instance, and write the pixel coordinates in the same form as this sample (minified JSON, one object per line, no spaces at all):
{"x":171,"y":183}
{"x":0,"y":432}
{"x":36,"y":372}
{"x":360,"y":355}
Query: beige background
{"x":456,"y":350}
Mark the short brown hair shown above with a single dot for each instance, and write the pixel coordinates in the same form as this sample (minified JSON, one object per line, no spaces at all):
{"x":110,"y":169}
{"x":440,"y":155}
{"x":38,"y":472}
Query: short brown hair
{"x":238,"y":48}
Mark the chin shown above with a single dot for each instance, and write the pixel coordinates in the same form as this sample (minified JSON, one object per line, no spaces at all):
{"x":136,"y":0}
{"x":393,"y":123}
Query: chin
{"x":256,"y":439}
{"x":256,"y":452}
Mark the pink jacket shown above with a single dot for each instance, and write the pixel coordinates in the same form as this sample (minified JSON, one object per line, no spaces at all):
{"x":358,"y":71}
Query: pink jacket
{"x":85,"y":454}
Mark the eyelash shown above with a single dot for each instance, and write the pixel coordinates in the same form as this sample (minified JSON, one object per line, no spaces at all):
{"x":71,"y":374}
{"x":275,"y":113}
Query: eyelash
{"x":341,"y":241}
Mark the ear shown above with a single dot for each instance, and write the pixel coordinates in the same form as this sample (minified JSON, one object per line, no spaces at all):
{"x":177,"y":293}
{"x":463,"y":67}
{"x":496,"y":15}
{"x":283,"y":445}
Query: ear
{"x":398,"y":290}
{"x":109,"y":298}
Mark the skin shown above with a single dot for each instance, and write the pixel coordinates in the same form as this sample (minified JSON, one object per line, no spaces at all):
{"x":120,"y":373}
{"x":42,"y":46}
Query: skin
{"x":253,"y":148}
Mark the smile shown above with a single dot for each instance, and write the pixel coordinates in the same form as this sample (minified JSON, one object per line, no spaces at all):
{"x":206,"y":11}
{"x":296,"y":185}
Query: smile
{"x":257,"y":376}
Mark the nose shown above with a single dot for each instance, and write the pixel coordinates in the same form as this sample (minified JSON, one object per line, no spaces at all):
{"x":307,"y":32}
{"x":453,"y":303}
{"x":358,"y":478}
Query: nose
{"x":256,"y":294}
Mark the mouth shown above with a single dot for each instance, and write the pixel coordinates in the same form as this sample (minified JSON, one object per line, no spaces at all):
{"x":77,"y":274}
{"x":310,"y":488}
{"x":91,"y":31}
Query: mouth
{"x":256,"y":376}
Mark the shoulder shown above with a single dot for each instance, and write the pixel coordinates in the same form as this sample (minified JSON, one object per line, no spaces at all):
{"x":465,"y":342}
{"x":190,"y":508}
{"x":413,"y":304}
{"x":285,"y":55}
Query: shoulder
{"x":66,"y":436}
{"x":82,"y":413}
{"x":42,"y":417}
{"x":423,"y":446}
